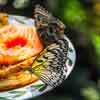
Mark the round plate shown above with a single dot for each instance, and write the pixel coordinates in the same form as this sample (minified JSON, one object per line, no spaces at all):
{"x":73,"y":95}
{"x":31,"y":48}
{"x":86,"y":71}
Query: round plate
{"x":37,"y":88}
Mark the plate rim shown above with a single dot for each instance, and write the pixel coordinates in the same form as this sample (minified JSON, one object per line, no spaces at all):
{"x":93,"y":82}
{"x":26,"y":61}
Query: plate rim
{"x":29,"y":85}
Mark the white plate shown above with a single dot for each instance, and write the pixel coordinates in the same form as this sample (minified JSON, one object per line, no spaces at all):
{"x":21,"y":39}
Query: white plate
{"x":38,"y":87}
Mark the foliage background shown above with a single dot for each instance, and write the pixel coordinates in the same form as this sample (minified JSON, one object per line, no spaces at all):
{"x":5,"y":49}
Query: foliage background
{"x":82,"y":19}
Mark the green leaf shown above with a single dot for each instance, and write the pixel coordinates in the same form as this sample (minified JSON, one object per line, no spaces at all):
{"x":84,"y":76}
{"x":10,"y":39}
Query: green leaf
{"x":17,"y":93}
{"x":43,"y":88}
{"x":96,"y":42}
{"x":40,"y":87}
{"x":4,"y":98}
{"x":75,"y":15}
{"x":90,"y":93}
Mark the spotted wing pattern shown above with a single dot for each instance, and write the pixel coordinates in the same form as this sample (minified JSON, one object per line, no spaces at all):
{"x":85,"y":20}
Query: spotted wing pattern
{"x":48,"y":26}
{"x":50,"y":66}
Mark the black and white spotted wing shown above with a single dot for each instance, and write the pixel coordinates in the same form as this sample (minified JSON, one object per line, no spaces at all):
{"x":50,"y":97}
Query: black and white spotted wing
{"x":43,"y":18}
{"x":50,"y":64}
{"x":48,"y":26}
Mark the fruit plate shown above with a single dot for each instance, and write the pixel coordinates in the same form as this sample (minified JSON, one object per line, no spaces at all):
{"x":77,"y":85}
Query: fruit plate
{"x":37,"y":88}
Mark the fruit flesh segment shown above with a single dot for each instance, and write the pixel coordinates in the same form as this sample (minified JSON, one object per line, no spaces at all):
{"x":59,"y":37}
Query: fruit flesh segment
{"x":22,"y":42}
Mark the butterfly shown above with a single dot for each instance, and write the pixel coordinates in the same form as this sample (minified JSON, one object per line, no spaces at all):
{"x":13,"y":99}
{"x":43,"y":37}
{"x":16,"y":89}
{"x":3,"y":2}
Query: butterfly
{"x":48,"y":26}
{"x":50,"y":64}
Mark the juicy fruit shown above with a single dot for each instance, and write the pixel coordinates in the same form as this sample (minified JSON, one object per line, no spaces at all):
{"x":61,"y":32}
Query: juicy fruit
{"x":17,"y":41}
{"x":19,"y":46}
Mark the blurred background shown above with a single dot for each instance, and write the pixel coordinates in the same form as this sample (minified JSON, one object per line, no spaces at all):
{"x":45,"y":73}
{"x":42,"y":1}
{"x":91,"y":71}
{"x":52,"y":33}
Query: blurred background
{"x":82,"y":20}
